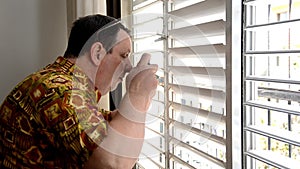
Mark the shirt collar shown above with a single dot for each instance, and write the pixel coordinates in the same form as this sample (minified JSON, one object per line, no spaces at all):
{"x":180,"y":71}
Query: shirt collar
{"x":82,"y":80}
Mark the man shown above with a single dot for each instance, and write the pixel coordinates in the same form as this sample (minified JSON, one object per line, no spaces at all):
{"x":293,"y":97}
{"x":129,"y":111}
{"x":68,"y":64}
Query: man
{"x":51,"y":118}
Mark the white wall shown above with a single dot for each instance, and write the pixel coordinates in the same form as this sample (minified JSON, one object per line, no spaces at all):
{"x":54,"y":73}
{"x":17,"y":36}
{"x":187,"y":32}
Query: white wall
{"x":32,"y":34}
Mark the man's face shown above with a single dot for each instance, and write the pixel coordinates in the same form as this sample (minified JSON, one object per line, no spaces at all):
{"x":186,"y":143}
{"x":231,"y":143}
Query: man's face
{"x":115,"y":64}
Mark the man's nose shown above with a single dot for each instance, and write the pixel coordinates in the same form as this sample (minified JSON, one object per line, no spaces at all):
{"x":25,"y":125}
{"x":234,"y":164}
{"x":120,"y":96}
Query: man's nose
{"x":128,"y":65}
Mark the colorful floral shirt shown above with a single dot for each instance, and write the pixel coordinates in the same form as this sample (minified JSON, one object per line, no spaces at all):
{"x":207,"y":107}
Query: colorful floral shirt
{"x":51,"y":119}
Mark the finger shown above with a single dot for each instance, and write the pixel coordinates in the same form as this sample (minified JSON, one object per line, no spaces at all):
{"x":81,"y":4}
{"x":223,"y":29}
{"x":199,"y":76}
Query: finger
{"x":149,"y":71}
{"x":149,"y":68}
{"x":145,"y":59}
{"x":153,"y":68}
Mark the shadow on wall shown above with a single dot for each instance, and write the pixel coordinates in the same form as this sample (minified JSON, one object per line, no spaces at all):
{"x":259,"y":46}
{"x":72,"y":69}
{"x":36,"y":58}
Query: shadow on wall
{"x":32,"y":33}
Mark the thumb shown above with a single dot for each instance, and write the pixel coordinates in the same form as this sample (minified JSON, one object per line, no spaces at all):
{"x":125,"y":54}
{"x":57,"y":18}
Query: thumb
{"x":145,"y":60}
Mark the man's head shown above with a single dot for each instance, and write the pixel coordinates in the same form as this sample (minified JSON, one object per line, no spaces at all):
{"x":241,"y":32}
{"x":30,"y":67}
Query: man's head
{"x":90,"y":29}
{"x":101,"y":46}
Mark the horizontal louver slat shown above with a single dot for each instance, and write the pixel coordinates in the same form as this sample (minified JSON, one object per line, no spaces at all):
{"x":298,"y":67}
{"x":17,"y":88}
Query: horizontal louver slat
{"x":183,"y":94}
{"x":199,"y":152}
{"x":285,"y":108}
{"x":213,"y":71}
{"x":153,"y":146}
{"x":210,"y":50}
{"x":214,"y":28}
{"x":145,"y":23}
{"x":274,"y":25}
{"x":274,"y":159}
{"x":140,"y":166}
{"x":270,"y":79}
{"x":200,"y":86}
{"x":200,"y":9}
{"x":201,"y":133}
{"x":279,"y":134}
{"x":197,"y":91}
{"x":138,"y":2}
{"x":154,"y":162}
{"x":177,"y":159}
{"x":154,"y":131}
{"x":203,"y":82}
{"x":274,"y":52}
{"x":139,"y":5}
{"x":218,"y":118}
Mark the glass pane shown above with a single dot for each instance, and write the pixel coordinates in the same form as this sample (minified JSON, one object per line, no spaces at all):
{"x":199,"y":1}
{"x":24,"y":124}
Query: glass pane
{"x":295,"y":12}
{"x":274,"y":66}
{"x":256,"y":164}
{"x":261,"y":12}
{"x":195,"y":159}
{"x":271,"y":66}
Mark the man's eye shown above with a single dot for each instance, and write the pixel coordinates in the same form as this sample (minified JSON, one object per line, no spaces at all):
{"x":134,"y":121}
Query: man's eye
{"x":124,"y":55}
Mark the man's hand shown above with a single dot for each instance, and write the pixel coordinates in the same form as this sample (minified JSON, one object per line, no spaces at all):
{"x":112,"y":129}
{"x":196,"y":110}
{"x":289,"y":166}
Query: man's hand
{"x":141,"y":83}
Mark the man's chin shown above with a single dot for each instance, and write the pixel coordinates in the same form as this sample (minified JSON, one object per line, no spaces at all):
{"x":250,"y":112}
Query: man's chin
{"x":114,"y":86}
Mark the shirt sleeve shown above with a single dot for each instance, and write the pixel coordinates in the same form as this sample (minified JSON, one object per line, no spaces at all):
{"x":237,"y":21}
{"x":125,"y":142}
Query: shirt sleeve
{"x":92,"y":124}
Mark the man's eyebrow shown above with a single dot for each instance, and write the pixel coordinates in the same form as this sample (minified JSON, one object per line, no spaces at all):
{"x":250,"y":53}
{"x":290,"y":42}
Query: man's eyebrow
{"x":127,"y":51}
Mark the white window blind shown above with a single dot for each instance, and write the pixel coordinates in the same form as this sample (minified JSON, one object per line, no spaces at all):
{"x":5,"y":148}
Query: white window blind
{"x":271,"y":61}
{"x":186,"y":126}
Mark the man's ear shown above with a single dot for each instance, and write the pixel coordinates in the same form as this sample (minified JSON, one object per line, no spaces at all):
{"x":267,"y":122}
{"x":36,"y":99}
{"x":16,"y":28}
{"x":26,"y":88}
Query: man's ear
{"x":97,"y":53}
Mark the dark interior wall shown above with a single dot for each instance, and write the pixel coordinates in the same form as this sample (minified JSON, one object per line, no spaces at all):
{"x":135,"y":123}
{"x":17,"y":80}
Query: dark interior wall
{"x":113,"y":8}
